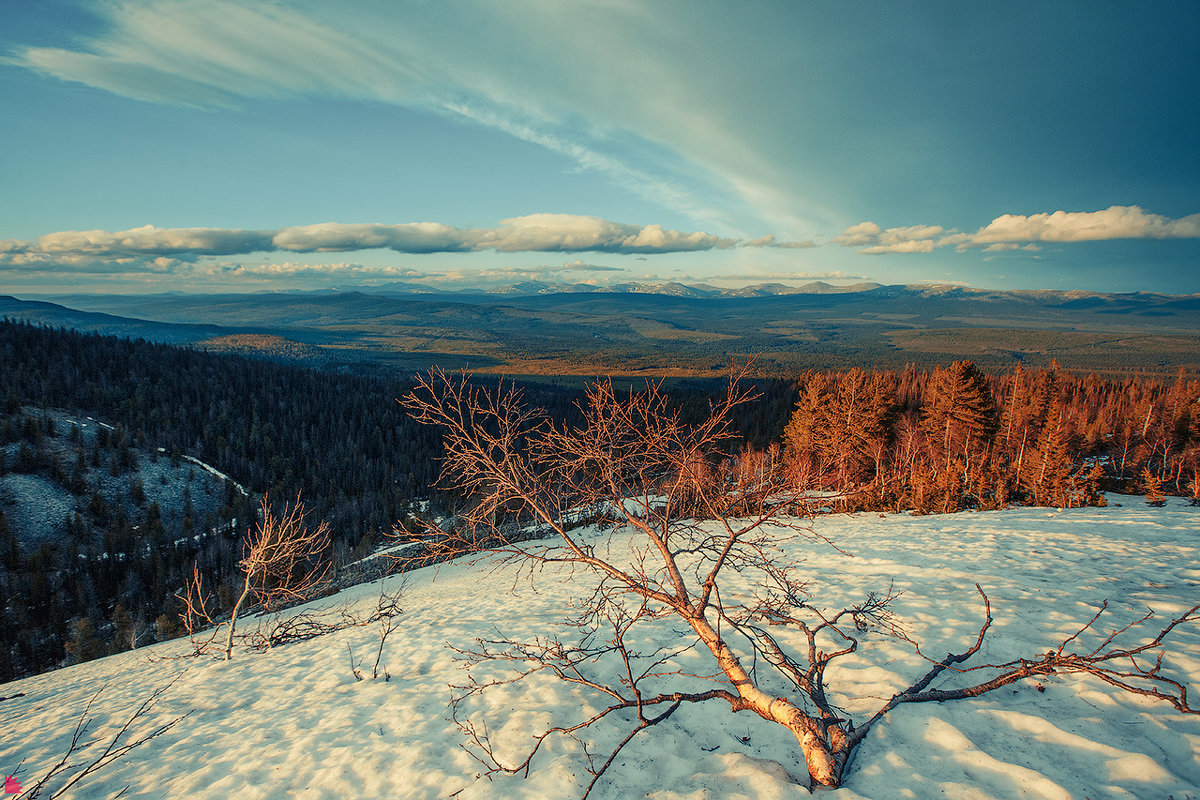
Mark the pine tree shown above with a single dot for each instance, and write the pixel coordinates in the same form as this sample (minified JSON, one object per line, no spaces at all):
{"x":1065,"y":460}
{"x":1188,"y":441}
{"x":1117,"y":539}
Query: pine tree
{"x":840,"y":427}
{"x":84,"y":645}
{"x":1047,"y":474}
{"x":1153,"y":489}
{"x":960,"y":420}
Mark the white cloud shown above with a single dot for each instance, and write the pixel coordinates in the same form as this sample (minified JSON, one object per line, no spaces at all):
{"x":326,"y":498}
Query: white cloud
{"x":875,"y":241}
{"x":564,"y":233}
{"x":857,"y":235}
{"x":579,"y":265}
{"x":909,"y":234}
{"x":39,"y":262}
{"x":1115,"y":222}
{"x":1020,"y":232}
{"x":149,"y":240}
{"x":904,"y":246}
{"x":331,"y":237}
{"x":770,"y":241}
{"x":294,"y":270}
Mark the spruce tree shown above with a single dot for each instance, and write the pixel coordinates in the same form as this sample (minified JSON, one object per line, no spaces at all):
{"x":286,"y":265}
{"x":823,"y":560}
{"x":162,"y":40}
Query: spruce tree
{"x":1153,"y":488}
{"x":959,"y":417}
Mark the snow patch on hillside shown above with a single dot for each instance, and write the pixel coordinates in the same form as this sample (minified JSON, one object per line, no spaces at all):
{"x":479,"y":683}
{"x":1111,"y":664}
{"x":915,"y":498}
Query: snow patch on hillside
{"x":216,"y":473}
{"x":294,"y":722}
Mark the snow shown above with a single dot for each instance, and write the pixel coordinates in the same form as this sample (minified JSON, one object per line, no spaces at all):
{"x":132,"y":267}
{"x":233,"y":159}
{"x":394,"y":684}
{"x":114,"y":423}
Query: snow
{"x":216,"y":473}
{"x":294,"y":722}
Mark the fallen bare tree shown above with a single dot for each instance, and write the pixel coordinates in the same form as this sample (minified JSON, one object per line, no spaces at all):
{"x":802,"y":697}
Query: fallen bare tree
{"x":291,"y":628}
{"x":283,"y":562}
{"x":696,"y":519}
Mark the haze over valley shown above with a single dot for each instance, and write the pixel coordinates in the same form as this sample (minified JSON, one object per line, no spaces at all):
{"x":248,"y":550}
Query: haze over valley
{"x":671,"y":330}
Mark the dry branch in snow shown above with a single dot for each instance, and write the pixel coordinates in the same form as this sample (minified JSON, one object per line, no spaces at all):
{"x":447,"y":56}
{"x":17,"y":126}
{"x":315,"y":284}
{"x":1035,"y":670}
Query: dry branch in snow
{"x":67,"y":771}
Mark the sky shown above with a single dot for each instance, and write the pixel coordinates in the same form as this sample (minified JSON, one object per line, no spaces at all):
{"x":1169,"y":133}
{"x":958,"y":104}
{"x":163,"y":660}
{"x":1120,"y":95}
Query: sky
{"x":226,"y":145}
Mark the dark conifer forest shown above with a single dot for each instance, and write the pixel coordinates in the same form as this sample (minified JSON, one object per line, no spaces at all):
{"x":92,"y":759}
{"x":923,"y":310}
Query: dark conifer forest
{"x":340,"y":441}
{"x":941,"y":441}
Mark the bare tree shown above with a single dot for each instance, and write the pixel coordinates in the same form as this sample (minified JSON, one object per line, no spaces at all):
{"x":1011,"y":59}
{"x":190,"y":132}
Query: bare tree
{"x":283,"y":562}
{"x":695,"y":521}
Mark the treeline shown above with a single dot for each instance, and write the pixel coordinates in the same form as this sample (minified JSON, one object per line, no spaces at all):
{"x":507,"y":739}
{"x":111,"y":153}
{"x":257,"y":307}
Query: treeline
{"x":956,"y":438}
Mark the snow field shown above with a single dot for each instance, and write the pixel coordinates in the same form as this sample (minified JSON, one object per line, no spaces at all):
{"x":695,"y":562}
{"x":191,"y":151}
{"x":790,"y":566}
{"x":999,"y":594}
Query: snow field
{"x":294,"y":722}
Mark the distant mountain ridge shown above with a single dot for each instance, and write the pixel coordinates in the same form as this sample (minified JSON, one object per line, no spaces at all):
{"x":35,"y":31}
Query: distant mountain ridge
{"x":671,"y":288}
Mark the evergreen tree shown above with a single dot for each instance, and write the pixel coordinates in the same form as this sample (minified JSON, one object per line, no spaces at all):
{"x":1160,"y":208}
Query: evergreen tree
{"x":840,"y":427}
{"x":959,"y":416}
{"x":1047,"y":474}
{"x":84,"y":645}
{"x":1152,"y":487}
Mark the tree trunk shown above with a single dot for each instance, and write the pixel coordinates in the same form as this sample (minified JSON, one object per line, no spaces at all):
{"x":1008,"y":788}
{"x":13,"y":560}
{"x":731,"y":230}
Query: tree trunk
{"x":233,"y":619}
{"x":824,"y":762}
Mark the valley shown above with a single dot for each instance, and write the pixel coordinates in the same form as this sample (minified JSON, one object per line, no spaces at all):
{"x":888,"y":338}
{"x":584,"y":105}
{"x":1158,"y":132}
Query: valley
{"x":631,"y":333}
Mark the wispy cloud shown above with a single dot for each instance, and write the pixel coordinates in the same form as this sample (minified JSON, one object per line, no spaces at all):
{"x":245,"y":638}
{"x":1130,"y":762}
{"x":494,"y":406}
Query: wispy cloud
{"x":206,"y":53}
{"x":781,"y":277}
{"x":770,"y":241}
{"x":1002,"y":247}
{"x":300,"y":271}
{"x":579,"y":265}
{"x":1022,"y":232}
{"x":639,"y":113}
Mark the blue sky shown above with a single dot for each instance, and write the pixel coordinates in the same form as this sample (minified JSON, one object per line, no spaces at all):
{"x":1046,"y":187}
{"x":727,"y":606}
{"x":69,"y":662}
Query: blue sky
{"x":162,"y":145}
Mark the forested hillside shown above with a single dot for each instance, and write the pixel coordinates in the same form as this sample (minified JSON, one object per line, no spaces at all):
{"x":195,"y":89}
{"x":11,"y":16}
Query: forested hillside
{"x":340,"y":441}
{"x":103,"y":578}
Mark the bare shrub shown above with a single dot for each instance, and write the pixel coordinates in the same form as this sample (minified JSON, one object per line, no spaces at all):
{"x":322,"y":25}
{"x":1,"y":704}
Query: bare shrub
{"x":283,"y":562}
{"x":311,"y":624}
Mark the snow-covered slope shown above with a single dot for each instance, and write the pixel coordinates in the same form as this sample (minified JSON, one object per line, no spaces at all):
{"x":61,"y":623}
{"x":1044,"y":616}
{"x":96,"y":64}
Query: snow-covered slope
{"x":295,"y":722}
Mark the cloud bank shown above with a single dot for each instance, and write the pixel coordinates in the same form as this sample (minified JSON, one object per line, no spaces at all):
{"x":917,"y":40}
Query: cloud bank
{"x":1018,"y":231}
{"x":148,"y":247}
